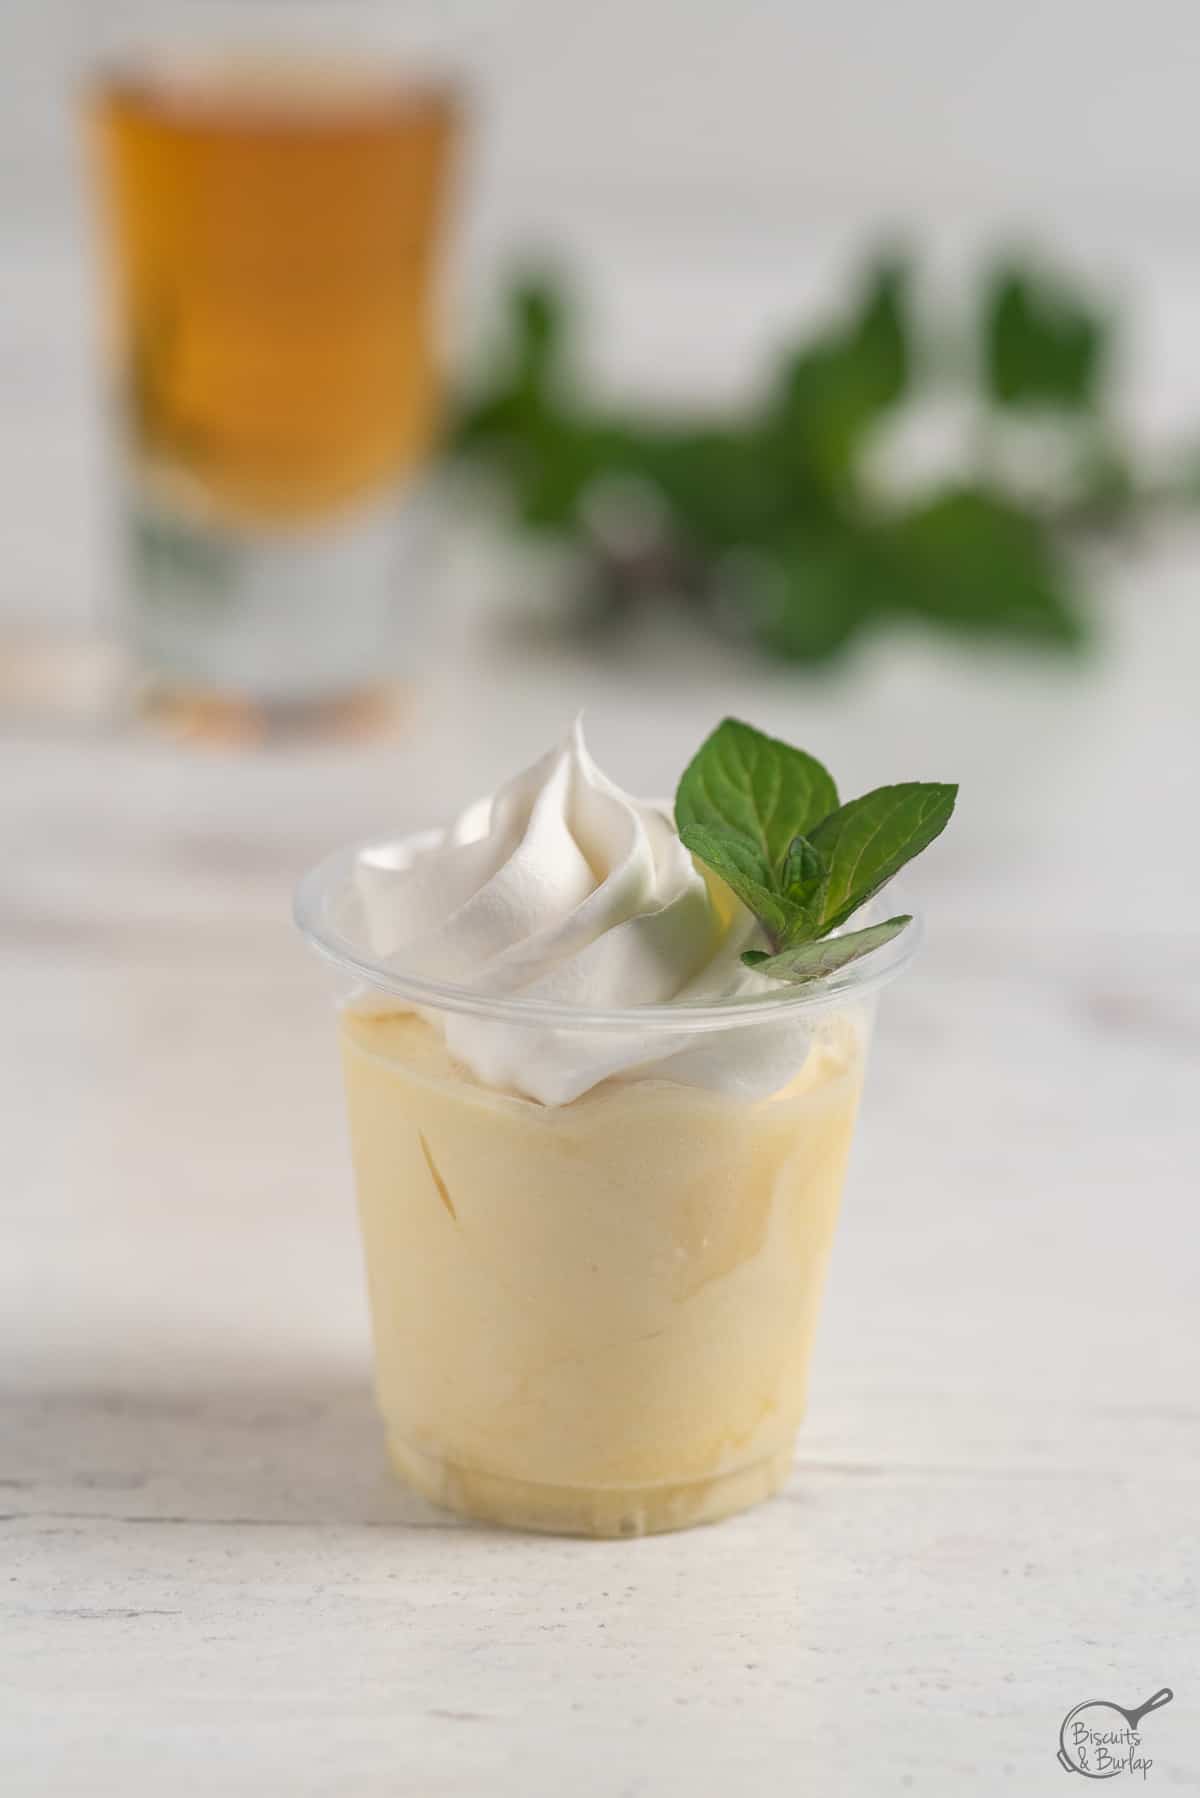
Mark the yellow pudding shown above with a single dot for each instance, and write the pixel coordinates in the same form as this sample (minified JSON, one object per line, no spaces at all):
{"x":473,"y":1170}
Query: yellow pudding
{"x":603,"y":1066}
{"x":594,"y":1317}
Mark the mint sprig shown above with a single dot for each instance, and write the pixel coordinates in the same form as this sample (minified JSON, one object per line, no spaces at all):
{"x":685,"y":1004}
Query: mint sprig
{"x":765,"y":818}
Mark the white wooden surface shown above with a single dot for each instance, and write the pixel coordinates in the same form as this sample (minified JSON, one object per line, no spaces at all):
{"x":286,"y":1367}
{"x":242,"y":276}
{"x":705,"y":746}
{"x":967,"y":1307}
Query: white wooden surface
{"x":209,"y":1582}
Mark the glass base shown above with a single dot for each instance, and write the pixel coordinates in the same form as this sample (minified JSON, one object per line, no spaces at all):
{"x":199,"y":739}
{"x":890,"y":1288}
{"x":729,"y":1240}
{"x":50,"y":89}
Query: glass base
{"x":196,"y":714}
{"x":586,"y":1510}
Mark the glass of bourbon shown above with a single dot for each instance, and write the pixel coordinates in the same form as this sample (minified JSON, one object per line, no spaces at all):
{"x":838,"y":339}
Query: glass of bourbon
{"x":273,"y":215}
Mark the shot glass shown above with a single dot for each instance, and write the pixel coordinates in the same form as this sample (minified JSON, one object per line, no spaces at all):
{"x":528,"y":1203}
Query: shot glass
{"x":273,"y":187}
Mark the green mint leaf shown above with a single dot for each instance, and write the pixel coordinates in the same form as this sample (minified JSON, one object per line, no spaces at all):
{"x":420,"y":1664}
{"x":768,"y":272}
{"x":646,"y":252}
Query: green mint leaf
{"x":803,"y":868}
{"x":812,"y":961}
{"x":743,"y":784}
{"x":741,"y":867}
{"x":869,"y":840}
{"x":802,"y":878}
{"x":833,"y":388}
{"x":881,"y":335}
{"x":1042,"y":345}
{"x":813,"y":590}
{"x":978,"y":563}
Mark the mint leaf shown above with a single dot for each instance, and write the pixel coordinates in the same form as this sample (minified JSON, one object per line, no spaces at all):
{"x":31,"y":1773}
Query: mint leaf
{"x":869,"y":840}
{"x":803,"y":868}
{"x":833,"y":388}
{"x":977,"y":563}
{"x":1042,"y":345}
{"x":881,"y":336}
{"x":743,"y":784}
{"x":816,"y":588}
{"x":812,"y":961}
{"x":802,"y":878}
{"x":741,"y":867}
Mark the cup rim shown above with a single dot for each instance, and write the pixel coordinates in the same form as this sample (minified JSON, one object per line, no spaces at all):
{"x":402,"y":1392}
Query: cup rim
{"x":333,"y":874}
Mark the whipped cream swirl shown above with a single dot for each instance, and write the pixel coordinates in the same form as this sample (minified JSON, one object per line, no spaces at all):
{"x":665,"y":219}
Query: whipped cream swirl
{"x":562,"y":887}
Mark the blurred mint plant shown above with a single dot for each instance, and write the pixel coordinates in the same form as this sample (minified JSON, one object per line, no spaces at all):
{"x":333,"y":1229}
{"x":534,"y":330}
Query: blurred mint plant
{"x":767,"y":522}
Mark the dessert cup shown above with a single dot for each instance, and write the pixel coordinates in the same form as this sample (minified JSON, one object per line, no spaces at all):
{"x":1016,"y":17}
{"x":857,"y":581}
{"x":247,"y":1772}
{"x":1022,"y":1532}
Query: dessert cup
{"x":594,"y":1318}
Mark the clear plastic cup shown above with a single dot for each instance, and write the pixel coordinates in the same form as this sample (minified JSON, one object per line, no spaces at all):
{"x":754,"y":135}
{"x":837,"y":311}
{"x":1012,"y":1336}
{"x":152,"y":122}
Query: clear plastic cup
{"x":594,"y":1318}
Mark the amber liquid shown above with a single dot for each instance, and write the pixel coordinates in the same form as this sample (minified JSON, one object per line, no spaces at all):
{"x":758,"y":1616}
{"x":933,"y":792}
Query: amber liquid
{"x":274,"y":239}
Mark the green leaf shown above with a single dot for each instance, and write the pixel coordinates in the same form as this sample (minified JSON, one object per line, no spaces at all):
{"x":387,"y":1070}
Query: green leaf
{"x":817,"y":589}
{"x":539,"y":312}
{"x":869,"y":840}
{"x":1041,"y":344}
{"x":830,"y":391}
{"x":802,"y":867}
{"x":520,"y":402}
{"x":881,"y":335}
{"x":812,"y":961}
{"x":822,"y":409}
{"x":979,"y":563}
{"x":744,"y":784}
{"x":801,"y":878}
{"x":741,"y":867}
{"x":559,"y":463}
{"x":715,"y":480}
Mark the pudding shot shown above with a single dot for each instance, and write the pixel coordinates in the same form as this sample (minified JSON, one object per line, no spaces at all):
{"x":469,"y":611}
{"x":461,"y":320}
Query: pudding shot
{"x":602,"y":1067}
